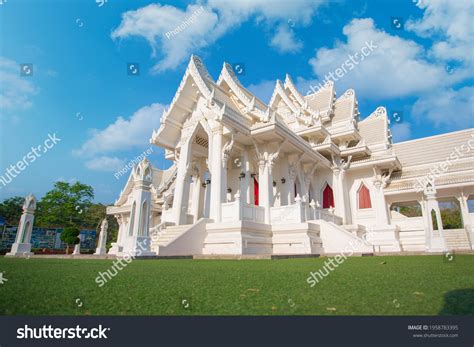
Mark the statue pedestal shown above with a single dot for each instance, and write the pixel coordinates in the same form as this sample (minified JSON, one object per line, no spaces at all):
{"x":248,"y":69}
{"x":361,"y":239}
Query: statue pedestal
{"x":20,"y":249}
{"x":100,"y":251}
{"x":77,"y":249}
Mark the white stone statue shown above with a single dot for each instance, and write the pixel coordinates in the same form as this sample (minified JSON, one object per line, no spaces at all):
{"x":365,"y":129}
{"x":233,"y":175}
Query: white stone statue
{"x":77,"y":249}
{"x":100,"y":250}
{"x":22,"y":245}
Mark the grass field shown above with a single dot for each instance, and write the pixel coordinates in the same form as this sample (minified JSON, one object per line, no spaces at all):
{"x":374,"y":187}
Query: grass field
{"x":410,"y":285}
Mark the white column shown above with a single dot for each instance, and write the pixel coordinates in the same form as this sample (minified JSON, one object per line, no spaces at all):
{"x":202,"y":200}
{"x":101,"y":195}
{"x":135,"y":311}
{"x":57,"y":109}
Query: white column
{"x":292,"y":173}
{"x":265,"y":187}
{"x":383,"y":236}
{"x":225,"y":160}
{"x":466,"y":218}
{"x":340,"y":194}
{"x":196,"y":198}
{"x":216,"y":175}
{"x":245,"y":193}
{"x":285,"y":187}
{"x":379,"y":204}
{"x":121,"y":234}
{"x":435,"y":240}
{"x":181,"y":191}
{"x":100,"y":250}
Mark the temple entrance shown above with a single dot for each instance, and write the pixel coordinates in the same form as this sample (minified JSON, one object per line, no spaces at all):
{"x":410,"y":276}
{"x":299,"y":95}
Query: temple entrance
{"x":328,"y":197}
{"x":200,"y":180}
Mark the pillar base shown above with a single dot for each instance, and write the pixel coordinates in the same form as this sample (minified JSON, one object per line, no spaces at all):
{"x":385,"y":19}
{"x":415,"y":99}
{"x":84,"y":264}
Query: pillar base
{"x":20,"y":249}
{"x":115,"y":249}
{"x":100,"y":251}
{"x":138,"y":246}
{"x":471,"y":239}
{"x":436,"y":244}
{"x":77,"y":249}
{"x":384,"y":238}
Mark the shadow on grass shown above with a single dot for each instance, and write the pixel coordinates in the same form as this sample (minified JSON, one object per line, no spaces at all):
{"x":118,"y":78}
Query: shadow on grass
{"x":458,"y":302}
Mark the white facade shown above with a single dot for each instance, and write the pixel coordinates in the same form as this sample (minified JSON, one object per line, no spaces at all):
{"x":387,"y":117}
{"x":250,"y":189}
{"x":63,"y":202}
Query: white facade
{"x":301,"y":175}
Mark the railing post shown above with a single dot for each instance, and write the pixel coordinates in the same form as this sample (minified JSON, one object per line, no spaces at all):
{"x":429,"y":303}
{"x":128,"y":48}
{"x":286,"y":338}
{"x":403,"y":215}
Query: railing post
{"x":312,"y":206}
{"x":238,"y":206}
{"x":299,"y":209}
{"x":331,"y":211}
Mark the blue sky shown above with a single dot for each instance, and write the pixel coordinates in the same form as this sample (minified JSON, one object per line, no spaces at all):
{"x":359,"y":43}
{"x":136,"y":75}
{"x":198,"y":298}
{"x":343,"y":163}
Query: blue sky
{"x":80,"y":89}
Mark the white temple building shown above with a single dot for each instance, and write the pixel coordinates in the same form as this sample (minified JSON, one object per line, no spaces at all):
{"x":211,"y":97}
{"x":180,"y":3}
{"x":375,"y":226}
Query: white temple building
{"x":301,"y":175}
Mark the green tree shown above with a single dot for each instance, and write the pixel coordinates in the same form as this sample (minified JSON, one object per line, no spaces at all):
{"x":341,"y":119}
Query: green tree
{"x":70,"y":236}
{"x":11,"y":209}
{"x":64,"y":205}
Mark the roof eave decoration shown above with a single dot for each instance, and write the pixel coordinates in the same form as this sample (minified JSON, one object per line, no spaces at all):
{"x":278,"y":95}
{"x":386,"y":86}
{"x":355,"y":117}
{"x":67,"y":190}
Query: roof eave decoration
{"x":227,"y":75}
{"x":125,"y":191}
{"x":298,"y":97}
{"x":199,"y":74}
{"x":279,"y":93}
{"x":381,"y":112}
{"x":326,"y":114}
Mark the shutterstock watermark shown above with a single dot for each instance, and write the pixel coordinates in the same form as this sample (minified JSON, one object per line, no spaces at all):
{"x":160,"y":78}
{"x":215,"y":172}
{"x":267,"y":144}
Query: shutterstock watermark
{"x":121,"y":263}
{"x":332,"y":263}
{"x":348,"y":65}
{"x":48,"y":332}
{"x":436,"y":171}
{"x":187,"y":22}
{"x":133,"y":162}
{"x":15,"y":169}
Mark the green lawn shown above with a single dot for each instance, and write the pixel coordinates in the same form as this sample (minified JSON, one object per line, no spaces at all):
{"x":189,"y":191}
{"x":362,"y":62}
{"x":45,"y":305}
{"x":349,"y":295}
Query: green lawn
{"x":409,"y":285}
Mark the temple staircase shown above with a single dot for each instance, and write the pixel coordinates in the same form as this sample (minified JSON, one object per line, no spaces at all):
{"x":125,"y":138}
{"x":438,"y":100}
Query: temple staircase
{"x":336,"y":239}
{"x":181,"y":239}
{"x":457,"y":239}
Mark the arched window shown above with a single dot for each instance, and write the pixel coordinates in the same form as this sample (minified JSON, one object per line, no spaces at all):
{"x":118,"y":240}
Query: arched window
{"x":132,"y":220}
{"x":143,"y":220}
{"x":328,"y":197}
{"x":364,"y":197}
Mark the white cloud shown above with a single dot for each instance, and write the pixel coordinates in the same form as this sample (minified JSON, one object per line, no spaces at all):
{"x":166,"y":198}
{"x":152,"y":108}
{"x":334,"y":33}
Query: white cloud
{"x":153,"y":22}
{"x":400,"y":131}
{"x":450,"y":24}
{"x":16,"y":91}
{"x":263,"y":90}
{"x":211,"y":20}
{"x":447,"y":107}
{"x":124,"y":134}
{"x":105,"y":163}
{"x":393,"y":69}
{"x":285,"y":41}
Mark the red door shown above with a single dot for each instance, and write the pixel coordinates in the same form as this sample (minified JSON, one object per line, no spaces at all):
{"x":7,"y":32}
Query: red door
{"x":328,"y":197}
{"x":255,"y":191}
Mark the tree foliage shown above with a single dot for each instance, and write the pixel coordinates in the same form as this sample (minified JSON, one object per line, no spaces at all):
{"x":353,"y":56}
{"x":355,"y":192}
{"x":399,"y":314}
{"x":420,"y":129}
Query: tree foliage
{"x":70,"y":236}
{"x":11,"y":209}
{"x":64,"y":205}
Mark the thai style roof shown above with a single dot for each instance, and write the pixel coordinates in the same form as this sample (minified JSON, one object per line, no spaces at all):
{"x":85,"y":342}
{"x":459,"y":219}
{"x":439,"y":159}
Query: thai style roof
{"x":436,"y":148}
{"x":160,"y":181}
{"x":318,"y":121}
{"x":317,"y":118}
{"x":448,"y":159}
